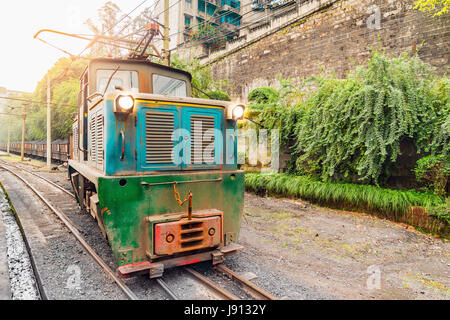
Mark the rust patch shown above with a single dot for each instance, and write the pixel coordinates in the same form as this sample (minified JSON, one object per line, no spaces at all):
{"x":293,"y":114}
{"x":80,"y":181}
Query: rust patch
{"x":106,"y":210}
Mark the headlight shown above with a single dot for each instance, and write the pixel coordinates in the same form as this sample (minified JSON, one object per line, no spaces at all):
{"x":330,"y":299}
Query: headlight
{"x":238,"y":112}
{"x":124,"y":103}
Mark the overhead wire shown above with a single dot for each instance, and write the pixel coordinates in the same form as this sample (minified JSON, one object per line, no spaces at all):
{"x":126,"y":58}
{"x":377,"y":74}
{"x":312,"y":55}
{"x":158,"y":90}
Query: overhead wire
{"x":168,"y":8}
{"x":73,"y":58}
{"x":37,"y":102}
{"x":109,"y":29}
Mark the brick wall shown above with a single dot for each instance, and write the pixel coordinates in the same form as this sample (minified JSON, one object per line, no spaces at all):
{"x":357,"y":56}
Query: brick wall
{"x":336,"y":38}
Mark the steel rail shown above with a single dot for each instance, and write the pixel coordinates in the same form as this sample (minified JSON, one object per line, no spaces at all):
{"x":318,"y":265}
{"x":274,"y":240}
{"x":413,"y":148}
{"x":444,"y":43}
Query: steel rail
{"x":255,"y":291}
{"x":224,"y":293}
{"x":43,"y":178}
{"x":68,"y":223}
{"x":166,"y":288}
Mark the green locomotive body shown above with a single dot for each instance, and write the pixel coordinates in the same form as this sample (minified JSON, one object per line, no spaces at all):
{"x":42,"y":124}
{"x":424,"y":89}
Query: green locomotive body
{"x":155,"y":167}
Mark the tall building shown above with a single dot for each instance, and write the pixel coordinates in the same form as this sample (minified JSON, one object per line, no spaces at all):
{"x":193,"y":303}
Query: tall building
{"x":189,"y":15}
{"x":232,"y":19}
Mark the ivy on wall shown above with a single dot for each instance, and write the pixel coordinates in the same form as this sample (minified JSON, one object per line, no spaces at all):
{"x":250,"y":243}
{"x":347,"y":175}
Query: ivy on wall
{"x":352,"y":129}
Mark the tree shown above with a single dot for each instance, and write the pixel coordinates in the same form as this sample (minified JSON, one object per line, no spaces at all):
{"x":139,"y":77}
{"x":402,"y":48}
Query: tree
{"x":201,"y":78}
{"x":111,"y":21}
{"x":436,"y":7}
{"x":64,"y":77}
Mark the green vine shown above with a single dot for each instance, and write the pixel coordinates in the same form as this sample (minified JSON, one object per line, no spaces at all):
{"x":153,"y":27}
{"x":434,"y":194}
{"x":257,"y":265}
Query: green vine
{"x":354,"y":129}
{"x":356,"y":126}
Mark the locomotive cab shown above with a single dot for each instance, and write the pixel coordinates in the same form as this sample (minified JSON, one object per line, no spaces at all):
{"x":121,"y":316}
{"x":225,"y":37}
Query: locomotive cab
{"x":155,"y":167}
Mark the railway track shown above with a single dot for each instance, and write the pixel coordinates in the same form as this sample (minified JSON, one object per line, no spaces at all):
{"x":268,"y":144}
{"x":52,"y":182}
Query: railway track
{"x":72,"y":228}
{"x":39,"y":191}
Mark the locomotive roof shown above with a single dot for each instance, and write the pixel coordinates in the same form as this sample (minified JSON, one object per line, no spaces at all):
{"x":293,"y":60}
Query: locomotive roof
{"x":143,"y":62}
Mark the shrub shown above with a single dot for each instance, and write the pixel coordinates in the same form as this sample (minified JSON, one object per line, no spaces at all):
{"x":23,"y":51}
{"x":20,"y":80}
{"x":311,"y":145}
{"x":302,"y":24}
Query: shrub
{"x":435,"y":170}
{"x":276,"y":109}
{"x":442,"y":211}
{"x":219,"y":95}
{"x":354,"y":129}
{"x":355,"y":126}
{"x":263,"y":95}
{"x":202,"y":80}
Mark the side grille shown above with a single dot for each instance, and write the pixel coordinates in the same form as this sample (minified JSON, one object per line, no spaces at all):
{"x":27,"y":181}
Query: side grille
{"x":99,"y":138}
{"x":158,"y":137}
{"x":75,"y":140}
{"x":93,"y":139}
{"x":200,"y":141}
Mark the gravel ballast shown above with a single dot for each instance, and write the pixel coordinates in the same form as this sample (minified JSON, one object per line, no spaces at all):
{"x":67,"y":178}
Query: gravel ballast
{"x":299,"y":251}
{"x":22,"y":280}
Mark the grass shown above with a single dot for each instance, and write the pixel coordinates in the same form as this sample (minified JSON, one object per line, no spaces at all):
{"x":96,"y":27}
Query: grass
{"x":391,"y":204}
{"x":16,"y":158}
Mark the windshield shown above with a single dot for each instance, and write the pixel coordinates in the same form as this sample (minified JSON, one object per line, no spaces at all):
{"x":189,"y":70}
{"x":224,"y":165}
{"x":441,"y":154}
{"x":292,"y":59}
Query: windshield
{"x":128,"y":80}
{"x":169,"y":86}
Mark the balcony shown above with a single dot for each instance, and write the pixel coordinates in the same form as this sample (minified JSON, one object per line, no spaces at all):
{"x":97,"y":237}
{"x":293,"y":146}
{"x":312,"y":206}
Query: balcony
{"x":214,"y":2}
{"x":228,"y":27}
{"x":231,"y":4}
{"x":276,"y":4}
{"x":258,"y":5}
{"x":229,"y":8}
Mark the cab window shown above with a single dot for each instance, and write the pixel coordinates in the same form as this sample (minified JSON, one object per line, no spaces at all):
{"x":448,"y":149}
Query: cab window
{"x":169,"y":86}
{"x":128,"y":80}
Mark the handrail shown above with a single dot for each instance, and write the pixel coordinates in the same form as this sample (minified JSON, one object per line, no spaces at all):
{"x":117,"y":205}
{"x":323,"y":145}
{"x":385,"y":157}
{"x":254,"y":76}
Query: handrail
{"x":179,"y":182}
{"x":123,"y":145}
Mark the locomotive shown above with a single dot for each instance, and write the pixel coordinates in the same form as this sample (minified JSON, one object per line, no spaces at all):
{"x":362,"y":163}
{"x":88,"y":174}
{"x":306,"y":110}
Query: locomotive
{"x":155,"y":167}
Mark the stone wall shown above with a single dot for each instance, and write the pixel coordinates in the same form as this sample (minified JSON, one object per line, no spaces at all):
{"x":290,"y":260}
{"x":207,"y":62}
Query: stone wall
{"x":333,"y":37}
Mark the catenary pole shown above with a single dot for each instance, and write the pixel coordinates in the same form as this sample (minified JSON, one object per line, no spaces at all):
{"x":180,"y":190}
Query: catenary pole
{"x":9,"y":137}
{"x":166,"y":32}
{"x":49,"y":125}
{"x":22,"y":148}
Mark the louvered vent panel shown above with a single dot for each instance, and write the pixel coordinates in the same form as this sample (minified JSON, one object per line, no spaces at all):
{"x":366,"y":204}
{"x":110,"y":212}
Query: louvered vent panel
{"x":93,"y":139}
{"x":200,"y":124}
{"x":99,"y":140}
{"x":75,"y":140}
{"x":158,"y":137}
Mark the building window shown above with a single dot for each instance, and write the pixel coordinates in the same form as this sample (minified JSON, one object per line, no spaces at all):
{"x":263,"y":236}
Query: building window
{"x":201,"y":6}
{"x":187,"y":21}
{"x":188,"y":4}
